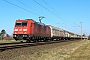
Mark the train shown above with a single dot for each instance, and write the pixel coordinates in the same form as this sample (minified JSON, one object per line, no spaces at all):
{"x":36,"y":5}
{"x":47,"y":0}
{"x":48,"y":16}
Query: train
{"x":30,"y":30}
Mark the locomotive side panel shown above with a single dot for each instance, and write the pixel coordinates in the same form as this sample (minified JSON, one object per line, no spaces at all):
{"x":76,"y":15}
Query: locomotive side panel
{"x":41,"y":30}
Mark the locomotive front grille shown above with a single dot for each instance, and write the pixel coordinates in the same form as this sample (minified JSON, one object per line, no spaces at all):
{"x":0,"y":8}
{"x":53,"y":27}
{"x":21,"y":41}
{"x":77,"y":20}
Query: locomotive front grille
{"x":18,"y":36}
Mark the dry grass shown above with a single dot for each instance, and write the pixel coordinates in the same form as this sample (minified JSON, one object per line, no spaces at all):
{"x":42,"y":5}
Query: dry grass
{"x":82,"y":53}
{"x":74,"y":51}
{"x":7,"y":41}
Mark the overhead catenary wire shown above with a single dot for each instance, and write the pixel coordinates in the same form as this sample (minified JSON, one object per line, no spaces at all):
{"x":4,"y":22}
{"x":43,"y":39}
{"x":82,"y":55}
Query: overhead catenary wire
{"x":21,"y":8}
{"x":29,"y":6}
{"x":25,"y":9}
{"x":46,"y":9}
{"x":54,"y":9}
{"x":34,"y":10}
{"x":49,"y":6}
{"x":51,"y":12}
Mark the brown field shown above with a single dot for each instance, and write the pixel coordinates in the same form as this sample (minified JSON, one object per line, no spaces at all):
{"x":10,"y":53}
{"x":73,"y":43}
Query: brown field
{"x":73,"y":51}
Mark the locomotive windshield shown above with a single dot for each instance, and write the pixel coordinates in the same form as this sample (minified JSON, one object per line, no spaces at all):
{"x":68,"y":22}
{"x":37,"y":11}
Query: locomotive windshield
{"x":24,"y":23}
{"x":18,"y":24}
{"x":21,"y":23}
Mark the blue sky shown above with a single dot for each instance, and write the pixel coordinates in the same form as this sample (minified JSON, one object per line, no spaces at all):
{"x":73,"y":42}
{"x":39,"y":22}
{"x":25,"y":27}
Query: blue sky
{"x":66,"y":14}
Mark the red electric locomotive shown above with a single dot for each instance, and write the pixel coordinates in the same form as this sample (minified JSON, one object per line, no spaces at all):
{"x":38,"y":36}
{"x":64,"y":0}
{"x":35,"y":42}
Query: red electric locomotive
{"x":31,"y":30}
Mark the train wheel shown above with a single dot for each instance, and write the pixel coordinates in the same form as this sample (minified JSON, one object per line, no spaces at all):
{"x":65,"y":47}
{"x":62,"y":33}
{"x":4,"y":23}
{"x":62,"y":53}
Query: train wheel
{"x":21,"y":41}
{"x":28,"y":41}
{"x":34,"y":41}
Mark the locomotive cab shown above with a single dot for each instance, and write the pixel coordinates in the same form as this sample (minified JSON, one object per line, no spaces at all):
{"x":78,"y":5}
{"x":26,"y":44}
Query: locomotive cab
{"x":20,"y":30}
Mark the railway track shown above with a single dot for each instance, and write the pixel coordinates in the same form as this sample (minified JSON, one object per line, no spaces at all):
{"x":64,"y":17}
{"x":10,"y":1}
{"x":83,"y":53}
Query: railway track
{"x":6,"y":46}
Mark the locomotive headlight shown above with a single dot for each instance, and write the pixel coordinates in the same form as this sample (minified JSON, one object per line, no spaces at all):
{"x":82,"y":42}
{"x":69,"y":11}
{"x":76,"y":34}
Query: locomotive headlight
{"x":24,"y":29}
{"x":23,"y":35}
{"x":15,"y":32}
{"x":14,"y":35}
{"x":15,"y":29}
